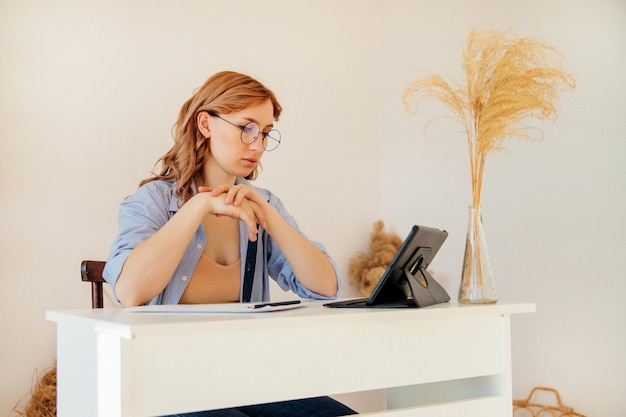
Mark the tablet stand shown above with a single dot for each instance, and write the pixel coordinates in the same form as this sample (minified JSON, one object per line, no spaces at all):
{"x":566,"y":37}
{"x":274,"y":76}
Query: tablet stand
{"x":425,"y":290}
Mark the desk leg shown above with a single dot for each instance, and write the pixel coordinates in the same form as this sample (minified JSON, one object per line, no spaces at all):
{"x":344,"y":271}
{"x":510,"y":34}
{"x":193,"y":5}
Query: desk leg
{"x":91,"y":378}
{"x":507,"y":373}
{"x":114,"y":389}
{"x":76,"y":371}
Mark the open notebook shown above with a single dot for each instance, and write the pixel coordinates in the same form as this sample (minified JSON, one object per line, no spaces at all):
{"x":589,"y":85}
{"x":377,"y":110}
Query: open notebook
{"x":261,"y":307}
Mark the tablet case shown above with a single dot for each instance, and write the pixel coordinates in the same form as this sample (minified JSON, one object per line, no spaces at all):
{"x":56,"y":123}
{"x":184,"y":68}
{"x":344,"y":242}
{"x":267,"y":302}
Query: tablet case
{"x":406,"y":282}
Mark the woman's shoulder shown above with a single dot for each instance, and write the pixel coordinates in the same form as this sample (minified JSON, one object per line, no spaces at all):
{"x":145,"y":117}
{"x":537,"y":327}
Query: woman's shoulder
{"x":157,"y":190}
{"x":157,"y":185}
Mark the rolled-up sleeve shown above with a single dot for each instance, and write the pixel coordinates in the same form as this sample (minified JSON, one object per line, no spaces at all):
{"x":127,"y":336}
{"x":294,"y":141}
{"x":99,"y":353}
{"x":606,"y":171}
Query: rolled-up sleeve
{"x":140,"y":216}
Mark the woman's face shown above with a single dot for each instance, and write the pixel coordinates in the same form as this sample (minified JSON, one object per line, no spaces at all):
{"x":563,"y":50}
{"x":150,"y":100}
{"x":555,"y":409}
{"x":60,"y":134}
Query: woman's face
{"x":229,"y":156}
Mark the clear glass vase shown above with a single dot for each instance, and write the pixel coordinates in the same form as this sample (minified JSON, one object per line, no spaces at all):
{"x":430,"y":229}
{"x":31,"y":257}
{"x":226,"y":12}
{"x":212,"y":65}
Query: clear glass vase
{"x":477,"y":285}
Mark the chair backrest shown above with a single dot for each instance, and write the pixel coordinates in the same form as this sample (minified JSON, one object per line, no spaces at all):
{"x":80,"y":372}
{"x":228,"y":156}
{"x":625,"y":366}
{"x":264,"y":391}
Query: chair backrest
{"x":91,"y":271}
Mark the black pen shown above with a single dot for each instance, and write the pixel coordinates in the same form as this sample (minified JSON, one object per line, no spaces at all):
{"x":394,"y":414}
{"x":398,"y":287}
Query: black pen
{"x":279,"y":303}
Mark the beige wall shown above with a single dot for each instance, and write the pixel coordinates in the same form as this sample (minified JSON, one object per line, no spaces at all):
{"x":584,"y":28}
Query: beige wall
{"x":89,"y":91}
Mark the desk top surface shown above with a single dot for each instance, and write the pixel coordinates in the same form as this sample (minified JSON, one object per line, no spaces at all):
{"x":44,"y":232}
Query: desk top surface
{"x":133,"y":324}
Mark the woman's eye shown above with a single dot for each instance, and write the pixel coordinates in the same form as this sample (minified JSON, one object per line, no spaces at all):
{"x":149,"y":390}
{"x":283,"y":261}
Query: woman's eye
{"x":251,"y":129}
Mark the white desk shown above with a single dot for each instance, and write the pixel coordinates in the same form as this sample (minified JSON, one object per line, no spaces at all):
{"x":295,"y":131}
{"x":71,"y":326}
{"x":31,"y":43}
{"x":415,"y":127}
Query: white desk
{"x":442,"y":360}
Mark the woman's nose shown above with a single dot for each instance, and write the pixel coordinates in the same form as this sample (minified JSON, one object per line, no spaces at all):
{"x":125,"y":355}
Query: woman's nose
{"x":257,"y":144}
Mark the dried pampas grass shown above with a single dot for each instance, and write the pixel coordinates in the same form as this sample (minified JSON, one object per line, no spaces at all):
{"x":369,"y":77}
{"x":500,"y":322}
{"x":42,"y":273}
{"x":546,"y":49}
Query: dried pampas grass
{"x":509,"y":80}
{"x":43,"y":400}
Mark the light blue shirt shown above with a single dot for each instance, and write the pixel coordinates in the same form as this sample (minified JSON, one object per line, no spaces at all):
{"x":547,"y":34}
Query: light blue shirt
{"x":147,"y":210}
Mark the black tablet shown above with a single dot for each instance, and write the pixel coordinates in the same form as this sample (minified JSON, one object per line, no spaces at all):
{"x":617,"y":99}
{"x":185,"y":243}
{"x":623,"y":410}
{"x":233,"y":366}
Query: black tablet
{"x":405,"y":282}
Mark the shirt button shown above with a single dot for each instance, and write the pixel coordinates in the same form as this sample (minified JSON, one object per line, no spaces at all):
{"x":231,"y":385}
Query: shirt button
{"x":184,"y":278}
{"x":199,"y":246}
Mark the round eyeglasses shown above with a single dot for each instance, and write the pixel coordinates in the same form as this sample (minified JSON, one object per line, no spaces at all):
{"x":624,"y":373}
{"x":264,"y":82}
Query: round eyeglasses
{"x":250,"y":132}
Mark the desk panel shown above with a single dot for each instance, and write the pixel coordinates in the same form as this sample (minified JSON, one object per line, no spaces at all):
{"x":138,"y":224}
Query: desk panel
{"x":316,"y":360}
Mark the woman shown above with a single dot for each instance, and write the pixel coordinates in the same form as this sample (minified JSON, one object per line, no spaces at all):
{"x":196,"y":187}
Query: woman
{"x":185,"y":234}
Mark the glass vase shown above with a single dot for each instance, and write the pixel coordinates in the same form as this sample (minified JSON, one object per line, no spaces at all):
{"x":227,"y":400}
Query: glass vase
{"x":477,"y":284}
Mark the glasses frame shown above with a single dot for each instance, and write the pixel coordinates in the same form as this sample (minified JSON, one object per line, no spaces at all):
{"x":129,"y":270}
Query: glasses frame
{"x":265,"y":135}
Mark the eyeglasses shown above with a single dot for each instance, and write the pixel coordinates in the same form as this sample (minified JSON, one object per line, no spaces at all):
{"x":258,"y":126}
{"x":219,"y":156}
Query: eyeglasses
{"x":250,"y":132}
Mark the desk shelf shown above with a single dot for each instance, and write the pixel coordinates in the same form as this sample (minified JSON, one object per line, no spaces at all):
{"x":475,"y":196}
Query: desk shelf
{"x":484,"y":406}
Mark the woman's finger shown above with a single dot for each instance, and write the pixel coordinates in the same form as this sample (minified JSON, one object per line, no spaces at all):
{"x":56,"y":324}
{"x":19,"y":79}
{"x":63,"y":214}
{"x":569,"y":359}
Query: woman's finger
{"x":259,"y":214}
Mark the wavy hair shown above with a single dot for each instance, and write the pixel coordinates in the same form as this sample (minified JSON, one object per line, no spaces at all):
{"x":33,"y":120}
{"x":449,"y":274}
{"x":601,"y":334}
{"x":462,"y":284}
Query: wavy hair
{"x":224,"y":92}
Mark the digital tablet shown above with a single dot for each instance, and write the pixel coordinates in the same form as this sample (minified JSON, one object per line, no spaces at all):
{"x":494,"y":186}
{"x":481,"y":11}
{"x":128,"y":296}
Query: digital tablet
{"x":405,"y":282}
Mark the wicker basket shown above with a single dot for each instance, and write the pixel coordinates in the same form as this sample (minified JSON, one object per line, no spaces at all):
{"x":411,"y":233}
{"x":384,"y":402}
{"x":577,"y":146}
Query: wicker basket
{"x":528,"y":408}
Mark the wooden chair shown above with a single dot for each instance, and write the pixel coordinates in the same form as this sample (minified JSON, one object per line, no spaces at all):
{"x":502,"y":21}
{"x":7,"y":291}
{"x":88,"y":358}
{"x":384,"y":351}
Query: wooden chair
{"x":91,"y":271}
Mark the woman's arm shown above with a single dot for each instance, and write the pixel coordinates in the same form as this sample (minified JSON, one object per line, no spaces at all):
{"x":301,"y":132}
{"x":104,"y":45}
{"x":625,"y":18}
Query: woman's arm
{"x":310,"y":265}
{"x":151,"y":264}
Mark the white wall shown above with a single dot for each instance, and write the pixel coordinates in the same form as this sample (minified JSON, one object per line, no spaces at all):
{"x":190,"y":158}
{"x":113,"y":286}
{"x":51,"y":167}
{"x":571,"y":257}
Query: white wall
{"x":553,"y":211}
{"x":89,"y":91}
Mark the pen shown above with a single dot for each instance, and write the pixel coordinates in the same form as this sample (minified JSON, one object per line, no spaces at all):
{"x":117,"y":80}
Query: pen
{"x":279,"y":303}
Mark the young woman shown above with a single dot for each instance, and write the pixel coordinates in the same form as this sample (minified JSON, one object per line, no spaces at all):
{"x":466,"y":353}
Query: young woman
{"x":185,"y":234}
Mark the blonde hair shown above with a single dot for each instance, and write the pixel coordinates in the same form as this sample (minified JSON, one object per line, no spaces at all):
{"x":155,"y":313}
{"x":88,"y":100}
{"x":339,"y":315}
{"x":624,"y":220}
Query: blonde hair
{"x":224,"y":92}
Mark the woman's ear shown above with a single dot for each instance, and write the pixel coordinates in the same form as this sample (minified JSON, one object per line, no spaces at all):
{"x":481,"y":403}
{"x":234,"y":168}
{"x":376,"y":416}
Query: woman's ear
{"x":202,"y":121}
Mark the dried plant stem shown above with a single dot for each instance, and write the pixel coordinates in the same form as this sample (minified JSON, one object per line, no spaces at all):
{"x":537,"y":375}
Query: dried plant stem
{"x":478,"y":246}
{"x":509,"y":80}
{"x":477,"y":276}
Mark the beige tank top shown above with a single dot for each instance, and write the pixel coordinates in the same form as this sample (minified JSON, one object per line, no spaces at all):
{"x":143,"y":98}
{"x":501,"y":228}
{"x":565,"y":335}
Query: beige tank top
{"x":213,"y":283}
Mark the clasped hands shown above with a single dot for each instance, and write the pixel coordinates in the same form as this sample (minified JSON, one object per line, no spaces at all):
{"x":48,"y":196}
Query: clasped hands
{"x":238,"y":202}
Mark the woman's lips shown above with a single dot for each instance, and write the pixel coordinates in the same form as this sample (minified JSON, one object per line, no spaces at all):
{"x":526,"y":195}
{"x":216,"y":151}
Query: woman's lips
{"x":250,"y":162}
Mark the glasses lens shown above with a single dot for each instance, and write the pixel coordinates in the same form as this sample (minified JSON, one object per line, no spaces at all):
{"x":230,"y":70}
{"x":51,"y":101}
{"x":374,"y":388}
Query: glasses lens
{"x":271,"y":140}
{"x":249,"y":133}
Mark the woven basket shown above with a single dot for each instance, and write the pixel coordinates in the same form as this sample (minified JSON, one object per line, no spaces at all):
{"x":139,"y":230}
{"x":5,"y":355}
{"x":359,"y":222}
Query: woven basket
{"x":529,"y":408}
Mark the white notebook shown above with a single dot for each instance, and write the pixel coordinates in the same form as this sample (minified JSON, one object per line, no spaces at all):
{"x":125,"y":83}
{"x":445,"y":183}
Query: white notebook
{"x":261,"y":307}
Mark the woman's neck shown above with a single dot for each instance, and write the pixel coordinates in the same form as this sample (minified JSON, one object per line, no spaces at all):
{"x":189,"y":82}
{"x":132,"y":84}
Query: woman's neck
{"x":216,"y":177}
